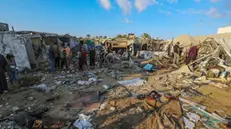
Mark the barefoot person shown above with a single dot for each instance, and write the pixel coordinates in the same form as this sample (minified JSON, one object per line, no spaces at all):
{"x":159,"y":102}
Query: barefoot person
{"x":3,"y":83}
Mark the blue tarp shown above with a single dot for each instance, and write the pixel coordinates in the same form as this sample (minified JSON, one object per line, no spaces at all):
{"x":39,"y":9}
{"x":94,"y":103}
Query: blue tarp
{"x":150,"y":67}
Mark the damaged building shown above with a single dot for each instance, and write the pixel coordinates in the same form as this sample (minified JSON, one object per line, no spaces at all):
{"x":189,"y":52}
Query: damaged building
{"x":29,"y":47}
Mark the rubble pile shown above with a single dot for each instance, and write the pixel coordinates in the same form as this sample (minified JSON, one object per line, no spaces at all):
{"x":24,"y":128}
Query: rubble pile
{"x":143,"y":92}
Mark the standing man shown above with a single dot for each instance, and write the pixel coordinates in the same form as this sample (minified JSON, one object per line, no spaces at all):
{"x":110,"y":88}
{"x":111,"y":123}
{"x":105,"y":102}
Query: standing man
{"x":82,"y":59}
{"x":68,"y":56}
{"x":52,"y":58}
{"x":92,"y":57}
{"x":62,"y":52}
{"x":3,"y":83}
{"x":101,"y":58}
{"x":192,"y":55}
{"x":57,"y":58}
{"x":176,"y":54}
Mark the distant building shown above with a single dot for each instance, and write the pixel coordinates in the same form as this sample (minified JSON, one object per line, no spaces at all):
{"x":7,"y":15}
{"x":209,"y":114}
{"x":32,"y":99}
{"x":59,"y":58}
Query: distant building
{"x":4,"y":27}
{"x":131,"y":36}
{"x":224,"y":30}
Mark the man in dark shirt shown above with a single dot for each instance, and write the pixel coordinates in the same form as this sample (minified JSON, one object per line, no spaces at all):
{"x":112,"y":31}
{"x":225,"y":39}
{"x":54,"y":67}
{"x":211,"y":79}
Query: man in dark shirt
{"x":192,"y":55}
{"x":92,"y":57}
{"x":3,"y":83}
{"x":176,"y":58}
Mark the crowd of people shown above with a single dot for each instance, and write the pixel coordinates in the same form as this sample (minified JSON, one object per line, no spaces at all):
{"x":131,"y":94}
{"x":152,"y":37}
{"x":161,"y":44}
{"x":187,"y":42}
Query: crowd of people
{"x":61,"y":58}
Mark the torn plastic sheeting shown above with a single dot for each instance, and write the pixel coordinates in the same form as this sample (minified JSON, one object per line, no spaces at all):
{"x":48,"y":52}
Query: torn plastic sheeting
{"x":211,"y":119}
{"x":192,"y":103}
{"x":91,"y":75}
{"x":219,"y":85}
{"x":83,"y":122}
{"x":224,"y":74}
{"x":105,"y":87}
{"x":84,"y":82}
{"x":90,"y":80}
{"x":193,"y":116}
{"x":146,"y":54}
{"x":133,"y":82}
{"x":43,"y":87}
{"x":188,"y":124}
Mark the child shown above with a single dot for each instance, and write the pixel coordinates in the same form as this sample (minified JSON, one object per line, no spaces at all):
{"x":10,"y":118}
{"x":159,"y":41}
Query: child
{"x":12,"y":71}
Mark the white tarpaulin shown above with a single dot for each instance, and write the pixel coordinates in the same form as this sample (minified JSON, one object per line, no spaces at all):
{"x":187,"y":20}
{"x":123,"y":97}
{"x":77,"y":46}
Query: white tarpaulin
{"x":225,"y":44}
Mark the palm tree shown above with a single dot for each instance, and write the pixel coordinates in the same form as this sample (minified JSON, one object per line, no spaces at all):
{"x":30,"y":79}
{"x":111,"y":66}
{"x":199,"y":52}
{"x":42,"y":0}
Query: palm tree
{"x":124,"y":36}
{"x":146,"y":36}
{"x":88,"y":35}
{"x":105,"y":37}
{"x":119,"y":36}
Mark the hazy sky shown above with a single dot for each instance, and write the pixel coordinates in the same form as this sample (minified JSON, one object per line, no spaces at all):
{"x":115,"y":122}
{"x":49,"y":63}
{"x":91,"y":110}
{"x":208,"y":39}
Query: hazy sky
{"x":160,"y":18}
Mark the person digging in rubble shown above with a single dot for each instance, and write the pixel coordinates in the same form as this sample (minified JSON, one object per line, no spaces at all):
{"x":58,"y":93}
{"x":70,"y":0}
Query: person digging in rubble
{"x":176,"y":54}
{"x":69,"y":56}
{"x":62,"y":52}
{"x":109,"y":58}
{"x":52,"y":58}
{"x":12,"y":71}
{"x":192,"y":55}
{"x":3,"y":82}
{"x":57,"y":55}
{"x":92,"y":54}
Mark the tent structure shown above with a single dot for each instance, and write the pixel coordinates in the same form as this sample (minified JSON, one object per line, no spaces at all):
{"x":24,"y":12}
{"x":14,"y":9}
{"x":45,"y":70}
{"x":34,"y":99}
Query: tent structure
{"x":185,"y":40}
{"x":218,"y":49}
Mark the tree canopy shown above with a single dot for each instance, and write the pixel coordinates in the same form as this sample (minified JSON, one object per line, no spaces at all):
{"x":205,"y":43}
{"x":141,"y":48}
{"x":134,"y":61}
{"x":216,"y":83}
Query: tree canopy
{"x":88,"y":35}
{"x":146,"y":36}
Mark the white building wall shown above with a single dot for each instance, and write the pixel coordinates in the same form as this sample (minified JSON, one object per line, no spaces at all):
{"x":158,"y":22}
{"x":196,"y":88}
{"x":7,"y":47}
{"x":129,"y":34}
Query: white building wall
{"x":224,"y":30}
{"x":14,"y":44}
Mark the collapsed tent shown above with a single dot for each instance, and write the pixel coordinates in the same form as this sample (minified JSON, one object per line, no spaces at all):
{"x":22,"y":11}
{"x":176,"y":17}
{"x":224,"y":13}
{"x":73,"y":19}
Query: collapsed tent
{"x":185,"y":40}
{"x":28,"y":47}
